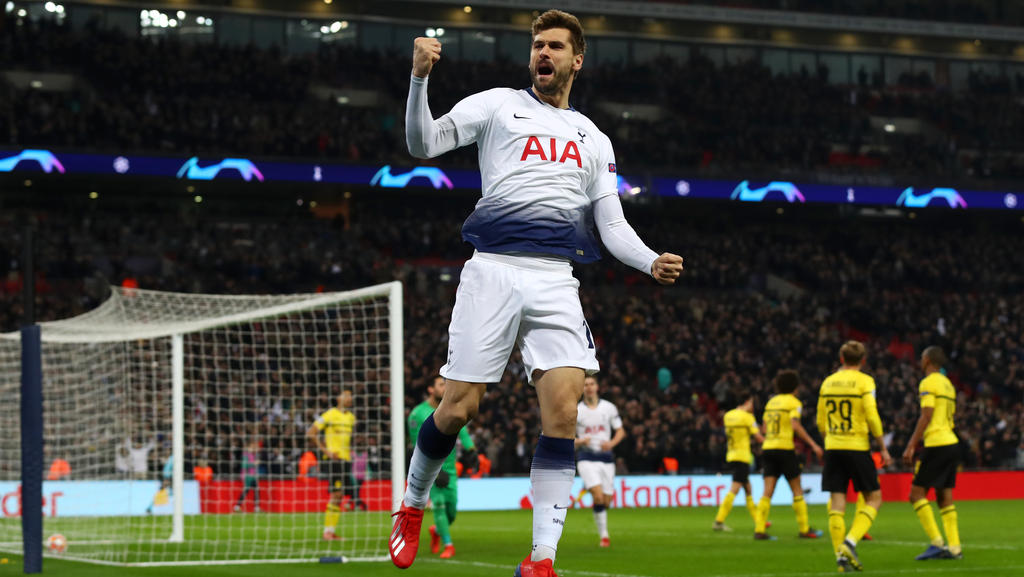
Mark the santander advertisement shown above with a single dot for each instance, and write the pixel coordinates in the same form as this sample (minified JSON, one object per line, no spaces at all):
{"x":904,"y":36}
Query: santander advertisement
{"x":708,"y":490}
{"x":93,"y":498}
{"x":632,"y":491}
{"x":99,"y":498}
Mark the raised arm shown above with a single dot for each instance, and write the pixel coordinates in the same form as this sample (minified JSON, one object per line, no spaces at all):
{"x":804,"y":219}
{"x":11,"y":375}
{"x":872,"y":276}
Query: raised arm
{"x":622,"y":241}
{"x":426,"y":137}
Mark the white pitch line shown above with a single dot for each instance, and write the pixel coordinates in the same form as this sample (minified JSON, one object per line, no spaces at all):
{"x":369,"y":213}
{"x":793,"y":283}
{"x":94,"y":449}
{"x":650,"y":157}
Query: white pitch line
{"x":925,"y":544}
{"x":512,"y":566}
{"x":874,"y":570}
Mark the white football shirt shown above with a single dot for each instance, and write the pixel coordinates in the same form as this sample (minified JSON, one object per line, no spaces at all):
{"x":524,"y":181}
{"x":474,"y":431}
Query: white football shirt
{"x":541,"y":168}
{"x":598,"y":424}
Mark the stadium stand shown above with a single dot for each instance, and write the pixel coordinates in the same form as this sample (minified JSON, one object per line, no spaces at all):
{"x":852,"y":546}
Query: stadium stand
{"x":728,"y":328}
{"x":705,"y":117}
{"x":759,"y":294}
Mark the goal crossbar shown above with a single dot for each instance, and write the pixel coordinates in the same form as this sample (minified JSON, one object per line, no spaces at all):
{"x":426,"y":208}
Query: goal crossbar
{"x":176,"y":325}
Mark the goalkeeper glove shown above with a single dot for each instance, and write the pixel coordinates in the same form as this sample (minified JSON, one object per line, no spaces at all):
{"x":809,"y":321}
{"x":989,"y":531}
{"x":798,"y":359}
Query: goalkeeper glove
{"x":442,"y":479}
{"x":471,"y":460}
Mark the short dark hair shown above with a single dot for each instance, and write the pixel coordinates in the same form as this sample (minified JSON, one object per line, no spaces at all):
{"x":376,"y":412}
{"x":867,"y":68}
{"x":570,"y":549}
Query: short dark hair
{"x":852,"y":352}
{"x":743,"y":395}
{"x":936,"y":355}
{"x":786,"y":381}
{"x":559,"y":19}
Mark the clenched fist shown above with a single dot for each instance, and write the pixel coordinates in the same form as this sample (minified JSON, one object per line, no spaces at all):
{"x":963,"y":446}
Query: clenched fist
{"x":667,"y":268}
{"x":425,"y":52}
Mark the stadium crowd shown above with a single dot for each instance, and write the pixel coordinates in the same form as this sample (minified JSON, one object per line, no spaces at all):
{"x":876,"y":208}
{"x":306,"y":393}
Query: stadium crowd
{"x":673,"y":359}
{"x":759,"y":294}
{"x":140,"y":94}
{"x":974,"y":11}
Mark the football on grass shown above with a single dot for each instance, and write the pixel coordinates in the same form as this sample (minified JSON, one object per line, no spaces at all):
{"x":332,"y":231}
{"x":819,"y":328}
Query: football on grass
{"x":57,"y":543}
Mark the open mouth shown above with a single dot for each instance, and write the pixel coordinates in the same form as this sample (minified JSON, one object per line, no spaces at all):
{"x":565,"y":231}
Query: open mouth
{"x":545,"y":69}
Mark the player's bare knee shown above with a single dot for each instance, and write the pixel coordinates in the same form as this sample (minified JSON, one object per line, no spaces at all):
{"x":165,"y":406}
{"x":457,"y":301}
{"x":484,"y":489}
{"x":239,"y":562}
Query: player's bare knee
{"x":916,"y":494}
{"x":874,"y":499}
{"x":454,"y":416}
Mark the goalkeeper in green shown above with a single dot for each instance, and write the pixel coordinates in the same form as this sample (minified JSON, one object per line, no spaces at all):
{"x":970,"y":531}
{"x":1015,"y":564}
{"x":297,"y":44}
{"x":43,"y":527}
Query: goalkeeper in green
{"x":444,"y":494}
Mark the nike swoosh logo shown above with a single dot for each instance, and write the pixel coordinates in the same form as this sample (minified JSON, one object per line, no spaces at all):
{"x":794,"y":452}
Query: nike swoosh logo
{"x":562,"y":508}
{"x":515,"y":115}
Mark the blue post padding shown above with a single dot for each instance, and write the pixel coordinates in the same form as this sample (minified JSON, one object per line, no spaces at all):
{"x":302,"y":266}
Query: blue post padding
{"x":32,"y":448}
{"x":333,"y":560}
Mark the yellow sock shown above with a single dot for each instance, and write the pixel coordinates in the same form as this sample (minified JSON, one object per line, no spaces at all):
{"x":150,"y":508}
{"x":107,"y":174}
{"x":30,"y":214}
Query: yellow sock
{"x":763,"y":507}
{"x":949,"y":520}
{"x":800,"y":507}
{"x":331,"y":517}
{"x":924,"y":514}
{"x":725,"y":507}
{"x":836,"y":528}
{"x":752,"y":507}
{"x":860,"y":501}
{"x":861,"y":523}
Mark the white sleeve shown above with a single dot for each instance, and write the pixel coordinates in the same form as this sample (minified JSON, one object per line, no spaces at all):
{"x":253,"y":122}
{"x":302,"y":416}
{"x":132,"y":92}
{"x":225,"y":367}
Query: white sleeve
{"x":426,"y":137}
{"x":606,"y":181}
{"x":464,"y":124}
{"x":616,"y":420}
{"x":618,"y":237}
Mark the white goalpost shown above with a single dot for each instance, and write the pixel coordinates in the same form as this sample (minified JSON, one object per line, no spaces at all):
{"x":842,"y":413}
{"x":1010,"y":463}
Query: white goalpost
{"x":177,"y":427}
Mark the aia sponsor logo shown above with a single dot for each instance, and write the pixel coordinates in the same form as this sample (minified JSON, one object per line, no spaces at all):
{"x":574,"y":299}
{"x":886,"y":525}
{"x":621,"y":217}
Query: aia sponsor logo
{"x":553,"y":152}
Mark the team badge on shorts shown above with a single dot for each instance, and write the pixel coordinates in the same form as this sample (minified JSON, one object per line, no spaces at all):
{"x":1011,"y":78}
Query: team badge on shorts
{"x":611,"y":167}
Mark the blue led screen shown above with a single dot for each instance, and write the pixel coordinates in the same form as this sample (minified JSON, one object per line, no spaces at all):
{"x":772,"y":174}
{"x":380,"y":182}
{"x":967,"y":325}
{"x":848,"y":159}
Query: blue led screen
{"x":256,"y":171}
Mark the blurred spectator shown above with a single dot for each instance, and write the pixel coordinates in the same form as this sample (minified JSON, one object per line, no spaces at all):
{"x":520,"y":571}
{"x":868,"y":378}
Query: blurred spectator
{"x":161,"y":94}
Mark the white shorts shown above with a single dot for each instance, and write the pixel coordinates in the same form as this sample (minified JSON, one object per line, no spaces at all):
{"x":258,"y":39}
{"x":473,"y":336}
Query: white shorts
{"x":596,"y":473}
{"x":505,"y":301}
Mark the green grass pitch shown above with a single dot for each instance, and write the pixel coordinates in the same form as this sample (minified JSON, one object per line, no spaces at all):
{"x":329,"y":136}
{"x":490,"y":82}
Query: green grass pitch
{"x":661,"y":543}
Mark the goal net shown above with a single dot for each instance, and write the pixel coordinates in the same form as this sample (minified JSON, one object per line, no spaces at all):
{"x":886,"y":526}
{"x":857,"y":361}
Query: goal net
{"x":179,"y":428}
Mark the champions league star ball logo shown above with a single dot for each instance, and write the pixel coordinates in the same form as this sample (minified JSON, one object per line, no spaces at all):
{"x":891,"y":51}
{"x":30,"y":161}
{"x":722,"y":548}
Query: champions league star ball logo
{"x":245,"y":168}
{"x":744,"y":193}
{"x":911,"y":200}
{"x":435,"y":175}
{"x":121,"y":165}
{"x":44,"y":158}
{"x":627,"y":189}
